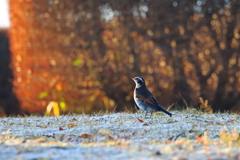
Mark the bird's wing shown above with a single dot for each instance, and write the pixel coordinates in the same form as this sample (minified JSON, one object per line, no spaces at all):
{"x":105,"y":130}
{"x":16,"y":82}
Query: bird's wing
{"x":149,"y":101}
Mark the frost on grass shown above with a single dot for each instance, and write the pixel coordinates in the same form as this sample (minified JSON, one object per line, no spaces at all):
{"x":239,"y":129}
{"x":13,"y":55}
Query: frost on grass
{"x":185,"y":135}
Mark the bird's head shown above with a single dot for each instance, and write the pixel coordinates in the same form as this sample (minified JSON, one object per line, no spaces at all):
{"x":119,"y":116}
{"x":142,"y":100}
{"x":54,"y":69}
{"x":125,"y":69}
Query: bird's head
{"x":139,"y":81}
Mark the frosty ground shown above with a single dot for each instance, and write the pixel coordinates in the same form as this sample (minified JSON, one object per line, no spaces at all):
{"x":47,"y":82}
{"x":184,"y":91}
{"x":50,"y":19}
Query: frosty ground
{"x":186,"y":135}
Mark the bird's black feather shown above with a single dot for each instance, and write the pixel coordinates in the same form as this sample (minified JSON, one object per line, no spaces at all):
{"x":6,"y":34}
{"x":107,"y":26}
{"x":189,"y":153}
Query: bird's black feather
{"x":145,"y":99}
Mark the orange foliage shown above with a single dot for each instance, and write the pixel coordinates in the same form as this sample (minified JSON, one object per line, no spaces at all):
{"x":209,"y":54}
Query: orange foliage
{"x":82,"y":53}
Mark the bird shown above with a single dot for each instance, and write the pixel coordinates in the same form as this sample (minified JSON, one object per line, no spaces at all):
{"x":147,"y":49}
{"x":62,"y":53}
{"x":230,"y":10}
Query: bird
{"x":144,"y":98}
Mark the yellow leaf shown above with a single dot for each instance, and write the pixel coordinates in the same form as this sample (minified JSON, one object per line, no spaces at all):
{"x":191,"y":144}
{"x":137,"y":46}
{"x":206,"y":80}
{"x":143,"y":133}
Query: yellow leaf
{"x":52,"y":106}
{"x":72,"y":125}
{"x":104,"y":131}
{"x":43,"y":95}
{"x":56,"y":110}
{"x":62,"y":106}
{"x":77,"y":62}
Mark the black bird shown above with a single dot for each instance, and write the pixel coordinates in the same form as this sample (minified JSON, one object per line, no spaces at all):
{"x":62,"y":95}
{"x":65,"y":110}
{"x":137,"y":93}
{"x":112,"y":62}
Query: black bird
{"x":144,"y":98}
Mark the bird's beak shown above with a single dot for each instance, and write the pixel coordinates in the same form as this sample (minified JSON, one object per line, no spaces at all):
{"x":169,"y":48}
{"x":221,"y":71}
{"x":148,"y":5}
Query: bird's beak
{"x":132,"y":78}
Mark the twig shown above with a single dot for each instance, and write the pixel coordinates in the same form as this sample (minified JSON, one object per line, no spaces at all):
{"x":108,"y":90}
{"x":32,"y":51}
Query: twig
{"x":115,"y":107}
{"x":170,"y":107}
{"x":174,"y":138}
{"x":183,"y":100}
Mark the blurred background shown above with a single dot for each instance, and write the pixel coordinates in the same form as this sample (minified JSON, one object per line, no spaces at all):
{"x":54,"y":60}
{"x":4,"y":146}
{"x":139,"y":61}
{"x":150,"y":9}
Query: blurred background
{"x":81,"y":54}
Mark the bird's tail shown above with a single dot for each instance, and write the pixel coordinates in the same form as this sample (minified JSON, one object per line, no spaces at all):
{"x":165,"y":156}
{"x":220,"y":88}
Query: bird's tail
{"x":165,"y":111}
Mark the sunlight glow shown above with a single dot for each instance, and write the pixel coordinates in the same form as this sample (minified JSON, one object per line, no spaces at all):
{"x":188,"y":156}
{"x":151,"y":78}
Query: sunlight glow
{"x":4,"y":18}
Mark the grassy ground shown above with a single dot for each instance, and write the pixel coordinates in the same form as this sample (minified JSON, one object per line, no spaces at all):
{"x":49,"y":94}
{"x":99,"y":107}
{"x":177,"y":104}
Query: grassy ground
{"x":187,"y":134}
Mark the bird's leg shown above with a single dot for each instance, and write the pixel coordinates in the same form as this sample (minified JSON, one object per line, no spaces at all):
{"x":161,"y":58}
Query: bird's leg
{"x":146,"y":114}
{"x":151,"y":114}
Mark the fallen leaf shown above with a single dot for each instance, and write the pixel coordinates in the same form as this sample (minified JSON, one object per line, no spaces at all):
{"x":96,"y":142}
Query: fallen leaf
{"x":168,"y":149}
{"x":110,"y":137}
{"x":60,"y":128}
{"x":124,"y":146}
{"x":41,"y":139}
{"x":210,"y":123}
{"x":206,"y":148}
{"x":86,"y":136}
{"x":74,"y":119}
{"x":61,"y":137}
{"x":140,"y":120}
{"x":200,"y":139}
{"x":191,"y":131}
{"x":72,"y":125}
{"x":41,"y":126}
{"x":104,"y":131}
{"x":237,"y":156}
{"x":219,"y":123}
